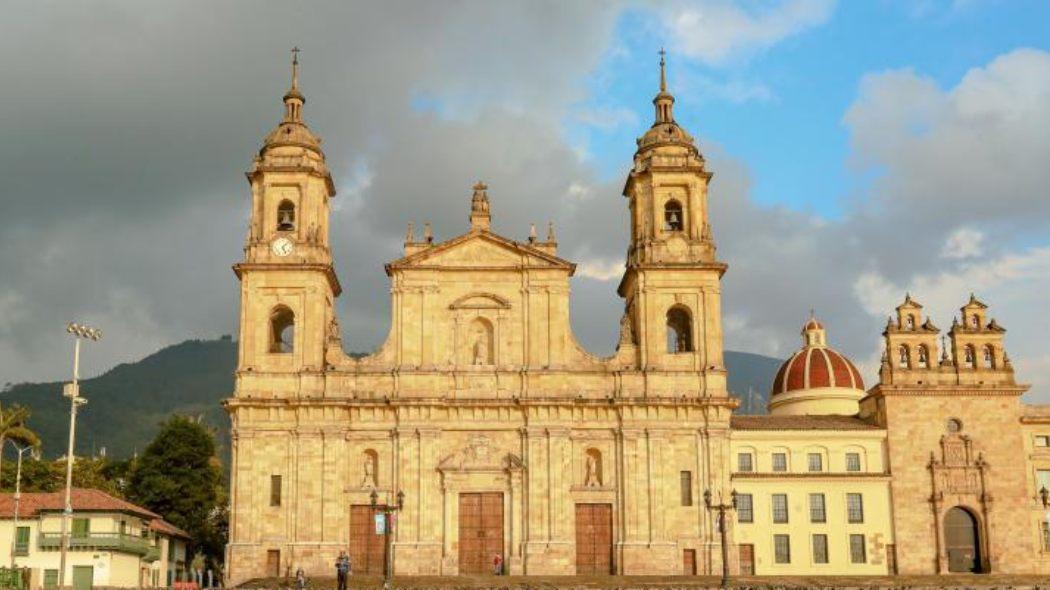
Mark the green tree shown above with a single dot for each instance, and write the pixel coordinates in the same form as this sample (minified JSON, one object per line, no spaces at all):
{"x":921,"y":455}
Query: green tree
{"x":13,"y":427}
{"x":179,"y":477}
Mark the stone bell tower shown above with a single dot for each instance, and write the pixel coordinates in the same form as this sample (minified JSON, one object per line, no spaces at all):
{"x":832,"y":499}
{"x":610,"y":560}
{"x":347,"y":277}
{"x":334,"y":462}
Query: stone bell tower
{"x":287,"y":279}
{"x":672,"y":279}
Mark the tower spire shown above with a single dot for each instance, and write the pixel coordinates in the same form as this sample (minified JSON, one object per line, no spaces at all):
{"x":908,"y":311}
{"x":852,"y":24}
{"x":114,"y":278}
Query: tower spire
{"x":663,"y":71}
{"x":663,"y":101}
{"x":293,"y":99}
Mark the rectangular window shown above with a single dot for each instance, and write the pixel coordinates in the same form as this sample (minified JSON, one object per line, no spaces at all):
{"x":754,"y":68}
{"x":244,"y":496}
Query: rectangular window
{"x":22,"y":541}
{"x":781,"y":549}
{"x":744,"y":463}
{"x":817,"y":512}
{"x":745,"y":509}
{"x":1042,"y":440}
{"x":1042,"y":479}
{"x":816,"y":462}
{"x":171,"y":550}
{"x":275,"y":490}
{"x":852,"y":461}
{"x":857,"y":549}
{"x":1045,"y":527}
{"x":820,"y":548}
{"x":81,"y":527}
{"x":50,"y":579}
{"x":780,"y":508}
{"x":780,"y":462}
{"x":854,"y":508}
{"x":686,"y":478}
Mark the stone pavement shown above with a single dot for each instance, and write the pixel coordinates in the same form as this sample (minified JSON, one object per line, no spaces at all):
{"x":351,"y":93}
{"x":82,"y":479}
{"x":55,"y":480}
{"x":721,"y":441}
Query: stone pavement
{"x":961,"y":582}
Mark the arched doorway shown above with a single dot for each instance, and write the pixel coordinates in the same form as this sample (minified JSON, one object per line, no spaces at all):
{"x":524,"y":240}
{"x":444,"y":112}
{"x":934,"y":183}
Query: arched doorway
{"x":962,"y":541}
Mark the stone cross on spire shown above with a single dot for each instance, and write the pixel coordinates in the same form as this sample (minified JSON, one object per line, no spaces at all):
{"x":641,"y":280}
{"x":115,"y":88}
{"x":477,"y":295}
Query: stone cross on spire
{"x":480,"y":220}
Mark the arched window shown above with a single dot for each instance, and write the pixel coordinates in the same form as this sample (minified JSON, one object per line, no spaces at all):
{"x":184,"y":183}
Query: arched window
{"x":673,"y":220}
{"x":989,"y":357}
{"x":282,"y":330}
{"x":903,"y":360}
{"x":975,"y":321}
{"x":911,"y":322}
{"x":969,"y":357}
{"x":679,"y":330}
{"x":924,"y":357}
{"x":286,"y":216}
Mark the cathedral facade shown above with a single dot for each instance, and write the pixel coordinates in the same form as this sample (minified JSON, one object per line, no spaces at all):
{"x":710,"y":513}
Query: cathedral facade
{"x":494,"y":433}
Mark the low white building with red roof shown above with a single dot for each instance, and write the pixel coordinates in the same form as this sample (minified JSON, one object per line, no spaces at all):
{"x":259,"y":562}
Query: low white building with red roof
{"x":112,"y":542}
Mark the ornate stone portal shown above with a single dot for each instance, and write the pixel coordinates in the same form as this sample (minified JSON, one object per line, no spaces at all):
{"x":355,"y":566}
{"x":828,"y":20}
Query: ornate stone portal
{"x":958,"y":483}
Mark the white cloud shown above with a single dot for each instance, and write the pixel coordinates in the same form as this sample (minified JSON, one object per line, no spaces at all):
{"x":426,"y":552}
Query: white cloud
{"x":962,"y":243}
{"x":717,"y":31}
{"x":600,"y":269}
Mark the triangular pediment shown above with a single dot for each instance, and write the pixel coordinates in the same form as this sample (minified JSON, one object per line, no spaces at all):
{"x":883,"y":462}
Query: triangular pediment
{"x":481,"y":250}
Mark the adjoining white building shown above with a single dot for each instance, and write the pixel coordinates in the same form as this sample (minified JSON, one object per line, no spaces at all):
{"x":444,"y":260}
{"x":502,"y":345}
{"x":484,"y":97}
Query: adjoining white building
{"x":112,"y":542}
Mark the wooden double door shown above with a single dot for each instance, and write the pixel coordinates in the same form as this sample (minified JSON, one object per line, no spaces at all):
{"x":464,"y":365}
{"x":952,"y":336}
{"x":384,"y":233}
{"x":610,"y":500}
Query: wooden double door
{"x":367,"y":549}
{"x":594,"y":547}
{"x":480,"y":531}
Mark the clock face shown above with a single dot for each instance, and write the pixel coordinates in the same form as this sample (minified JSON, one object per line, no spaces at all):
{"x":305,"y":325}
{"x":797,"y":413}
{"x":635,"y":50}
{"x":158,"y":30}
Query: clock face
{"x":282,"y":246}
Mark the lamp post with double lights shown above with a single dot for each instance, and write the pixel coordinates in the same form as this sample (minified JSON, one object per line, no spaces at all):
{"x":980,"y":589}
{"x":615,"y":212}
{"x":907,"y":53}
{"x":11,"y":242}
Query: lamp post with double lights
{"x":72,"y":391}
{"x":18,"y":493}
{"x":388,"y":528}
{"x":722,"y":507}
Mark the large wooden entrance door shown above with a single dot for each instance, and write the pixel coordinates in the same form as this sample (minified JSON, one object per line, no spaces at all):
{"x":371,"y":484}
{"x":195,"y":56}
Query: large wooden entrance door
{"x":961,"y":541}
{"x":594,"y":539}
{"x":480,"y":531}
{"x":367,"y":549}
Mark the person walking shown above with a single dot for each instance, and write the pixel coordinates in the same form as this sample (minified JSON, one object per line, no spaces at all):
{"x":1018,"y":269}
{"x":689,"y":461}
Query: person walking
{"x":497,"y":565}
{"x":300,"y":578}
{"x":342,"y":569}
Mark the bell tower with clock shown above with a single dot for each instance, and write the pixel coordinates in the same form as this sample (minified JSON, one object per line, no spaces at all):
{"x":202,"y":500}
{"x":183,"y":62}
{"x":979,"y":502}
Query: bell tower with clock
{"x":288,"y":283}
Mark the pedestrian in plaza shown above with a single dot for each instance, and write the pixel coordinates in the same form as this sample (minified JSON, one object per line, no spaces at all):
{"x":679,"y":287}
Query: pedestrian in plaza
{"x":300,"y":578}
{"x":342,"y":569}
{"x":497,"y":565}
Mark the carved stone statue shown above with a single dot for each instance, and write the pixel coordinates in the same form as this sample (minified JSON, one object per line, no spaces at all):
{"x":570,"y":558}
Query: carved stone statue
{"x":333,"y":329}
{"x":592,"y":477}
{"x":480,"y":350}
{"x":368,"y":480}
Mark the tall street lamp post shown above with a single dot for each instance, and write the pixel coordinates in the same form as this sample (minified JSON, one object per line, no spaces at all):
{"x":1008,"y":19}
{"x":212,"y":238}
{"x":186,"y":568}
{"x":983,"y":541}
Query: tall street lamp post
{"x":18,"y":494}
{"x":388,"y":528}
{"x":72,"y":391}
{"x":721,"y":507}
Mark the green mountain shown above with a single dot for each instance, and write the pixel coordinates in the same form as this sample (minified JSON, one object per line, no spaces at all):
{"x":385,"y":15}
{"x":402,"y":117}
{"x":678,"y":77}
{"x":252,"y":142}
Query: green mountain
{"x":126,"y":403}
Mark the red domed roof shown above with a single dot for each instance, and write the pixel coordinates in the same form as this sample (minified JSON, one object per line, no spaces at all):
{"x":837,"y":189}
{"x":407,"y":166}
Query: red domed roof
{"x":816,"y":365}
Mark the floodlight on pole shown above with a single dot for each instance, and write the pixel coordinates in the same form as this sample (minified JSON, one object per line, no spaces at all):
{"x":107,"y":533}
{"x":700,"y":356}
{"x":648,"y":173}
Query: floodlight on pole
{"x":72,"y":391}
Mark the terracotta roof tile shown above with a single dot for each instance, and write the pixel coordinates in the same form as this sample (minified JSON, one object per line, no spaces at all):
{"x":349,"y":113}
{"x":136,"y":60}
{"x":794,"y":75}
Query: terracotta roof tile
{"x":825,"y":422}
{"x":83,"y":499}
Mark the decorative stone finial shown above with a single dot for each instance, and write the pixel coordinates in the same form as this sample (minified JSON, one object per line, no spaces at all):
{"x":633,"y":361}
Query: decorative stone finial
{"x":428,"y":233}
{"x":550,"y":232}
{"x":532,"y":233}
{"x":480,"y":220}
{"x":410,"y":235}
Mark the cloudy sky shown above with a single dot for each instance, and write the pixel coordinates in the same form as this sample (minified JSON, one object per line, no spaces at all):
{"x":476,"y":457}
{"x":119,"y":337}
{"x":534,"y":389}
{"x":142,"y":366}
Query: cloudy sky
{"x":860,"y":149}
